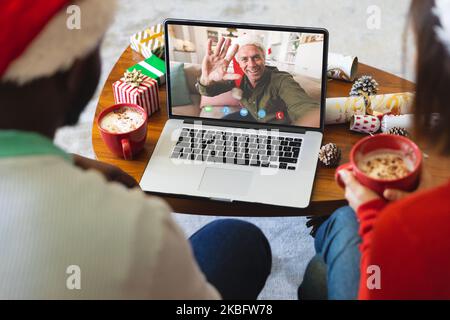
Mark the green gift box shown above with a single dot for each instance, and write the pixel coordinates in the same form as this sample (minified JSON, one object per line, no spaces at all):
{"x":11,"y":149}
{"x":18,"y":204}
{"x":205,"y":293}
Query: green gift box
{"x":152,"y":67}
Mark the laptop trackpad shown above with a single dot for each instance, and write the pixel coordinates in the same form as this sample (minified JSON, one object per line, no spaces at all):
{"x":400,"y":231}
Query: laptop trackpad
{"x":225,"y":181}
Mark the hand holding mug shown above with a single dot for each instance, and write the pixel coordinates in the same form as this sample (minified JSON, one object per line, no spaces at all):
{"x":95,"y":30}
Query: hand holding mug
{"x":426,"y":182}
{"x":384,"y":162}
{"x":355,"y":193}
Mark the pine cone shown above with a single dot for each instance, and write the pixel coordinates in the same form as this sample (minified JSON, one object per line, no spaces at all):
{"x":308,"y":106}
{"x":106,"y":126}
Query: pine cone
{"x":330,"y":155}
{"x":364,"y":85}
{"x":398,"y":131}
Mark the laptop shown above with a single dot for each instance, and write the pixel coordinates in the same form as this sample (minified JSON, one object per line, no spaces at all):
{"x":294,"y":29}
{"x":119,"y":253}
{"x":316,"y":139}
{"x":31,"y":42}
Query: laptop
{"x":246,"y":106}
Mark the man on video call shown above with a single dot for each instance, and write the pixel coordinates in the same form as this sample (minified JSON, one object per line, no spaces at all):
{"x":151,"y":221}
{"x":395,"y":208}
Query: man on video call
{"x":269,"y":95}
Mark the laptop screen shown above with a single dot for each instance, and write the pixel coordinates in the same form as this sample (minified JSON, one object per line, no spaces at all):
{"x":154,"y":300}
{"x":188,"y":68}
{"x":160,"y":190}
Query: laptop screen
{"x":252,"y":74}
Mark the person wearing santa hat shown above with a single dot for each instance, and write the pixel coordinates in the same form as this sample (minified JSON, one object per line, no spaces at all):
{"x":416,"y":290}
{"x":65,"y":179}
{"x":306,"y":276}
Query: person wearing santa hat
{"x":264,"y":91}
{"x":74,"y":228}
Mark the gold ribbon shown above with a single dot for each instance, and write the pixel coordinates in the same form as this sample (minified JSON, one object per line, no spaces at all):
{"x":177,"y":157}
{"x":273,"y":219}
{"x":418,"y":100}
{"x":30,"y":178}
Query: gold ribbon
{"x":133,"y":78}
{"x":153,"y":36}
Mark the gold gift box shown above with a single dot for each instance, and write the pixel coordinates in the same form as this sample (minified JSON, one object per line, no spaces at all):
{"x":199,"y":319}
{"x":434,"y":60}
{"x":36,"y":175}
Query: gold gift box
{"x":149,"y":42}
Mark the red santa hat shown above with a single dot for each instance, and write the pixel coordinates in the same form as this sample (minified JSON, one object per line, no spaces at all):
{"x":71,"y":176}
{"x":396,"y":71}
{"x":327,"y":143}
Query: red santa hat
{"x":36,"y":39}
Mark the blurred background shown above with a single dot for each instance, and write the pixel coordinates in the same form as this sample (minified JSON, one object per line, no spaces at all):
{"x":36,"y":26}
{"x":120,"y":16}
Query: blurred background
{"x":372,"y":30}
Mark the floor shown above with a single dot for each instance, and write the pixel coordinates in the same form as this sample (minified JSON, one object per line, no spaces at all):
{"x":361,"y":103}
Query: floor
{"x":369,"y":29}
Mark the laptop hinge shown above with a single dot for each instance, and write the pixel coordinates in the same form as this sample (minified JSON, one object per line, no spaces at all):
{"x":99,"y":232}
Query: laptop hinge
{"x":221,"y":199}
{"x":244,"y":126}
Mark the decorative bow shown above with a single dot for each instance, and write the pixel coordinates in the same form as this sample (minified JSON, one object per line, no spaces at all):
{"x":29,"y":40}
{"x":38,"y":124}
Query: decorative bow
{"x":133,"y":78}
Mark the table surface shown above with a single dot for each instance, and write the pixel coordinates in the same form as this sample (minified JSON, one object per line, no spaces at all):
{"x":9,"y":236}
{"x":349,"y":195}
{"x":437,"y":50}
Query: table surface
{"x":326,"y":195}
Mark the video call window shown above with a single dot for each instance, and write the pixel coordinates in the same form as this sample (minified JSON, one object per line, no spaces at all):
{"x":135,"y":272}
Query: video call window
{"x":246,"y":75}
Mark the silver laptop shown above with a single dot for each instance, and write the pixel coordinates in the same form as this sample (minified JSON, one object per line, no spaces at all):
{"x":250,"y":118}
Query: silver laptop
{"x":246,"y":107}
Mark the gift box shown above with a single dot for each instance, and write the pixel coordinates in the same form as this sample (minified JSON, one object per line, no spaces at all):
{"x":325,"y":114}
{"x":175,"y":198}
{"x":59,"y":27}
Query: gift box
{"x":143,"y":92}
{"x":152,"y":67}
{"x":149,"y":42}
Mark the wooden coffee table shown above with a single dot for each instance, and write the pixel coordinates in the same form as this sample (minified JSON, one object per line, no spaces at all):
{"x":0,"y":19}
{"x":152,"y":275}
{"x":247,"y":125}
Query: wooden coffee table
{"x":326,"y":196}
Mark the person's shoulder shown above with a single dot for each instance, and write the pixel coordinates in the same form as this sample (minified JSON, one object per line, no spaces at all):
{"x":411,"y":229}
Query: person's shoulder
{"x":90,"y":220}
{"x":124,"y":197}
{"x":279,"y":78}
{"x":275,"y":73}
{"x":95,"y":193}
{"x":414,"y":210}
{"x":438,"y":197}
{"x":128,"y":212}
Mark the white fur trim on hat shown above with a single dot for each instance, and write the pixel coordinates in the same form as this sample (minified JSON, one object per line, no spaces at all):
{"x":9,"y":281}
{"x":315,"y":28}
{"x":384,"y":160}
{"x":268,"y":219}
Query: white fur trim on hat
{"x":250,"y":39}
{"x":57,"y":47}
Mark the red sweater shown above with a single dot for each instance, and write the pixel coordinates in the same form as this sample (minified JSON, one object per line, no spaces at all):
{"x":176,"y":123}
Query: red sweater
{"x":410,"y":242}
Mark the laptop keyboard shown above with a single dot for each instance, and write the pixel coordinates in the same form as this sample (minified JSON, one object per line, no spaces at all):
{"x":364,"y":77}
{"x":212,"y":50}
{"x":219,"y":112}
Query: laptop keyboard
{"x":256,"y":150}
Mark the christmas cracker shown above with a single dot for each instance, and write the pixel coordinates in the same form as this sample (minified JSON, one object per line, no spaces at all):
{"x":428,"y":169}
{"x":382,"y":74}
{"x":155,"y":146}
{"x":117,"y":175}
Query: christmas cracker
{"x":395,"y":104}
{"x":341,"y":110}
{"x":402,"y":121}
{"x":365,"y":124}
{"x":342,"y":67}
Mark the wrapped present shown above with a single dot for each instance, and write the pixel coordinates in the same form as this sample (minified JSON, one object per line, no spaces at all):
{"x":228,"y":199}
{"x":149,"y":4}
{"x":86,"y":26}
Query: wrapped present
{"x":342,"y":67}
{"x":149,"y":42}
{"x":341,"y":110}
{"x":139,"y":89}
{"x":152,"y":67}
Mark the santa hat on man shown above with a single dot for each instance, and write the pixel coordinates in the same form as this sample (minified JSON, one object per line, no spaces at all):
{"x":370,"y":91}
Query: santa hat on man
{"x":251,"y":39}
{"x":36,"y":41}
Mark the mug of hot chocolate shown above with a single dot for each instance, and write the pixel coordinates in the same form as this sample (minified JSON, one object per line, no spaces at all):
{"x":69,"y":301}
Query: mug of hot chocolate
{"x":123,"y":128}
{"x":383,"y":162}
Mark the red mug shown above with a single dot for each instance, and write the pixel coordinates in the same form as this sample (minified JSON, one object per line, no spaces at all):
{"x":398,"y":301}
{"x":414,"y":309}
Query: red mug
{"x":127,"y":144}
{"x":384,"y":142}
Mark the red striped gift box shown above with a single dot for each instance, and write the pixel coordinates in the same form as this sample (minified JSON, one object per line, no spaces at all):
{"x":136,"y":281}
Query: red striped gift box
{"x":146,"y":95}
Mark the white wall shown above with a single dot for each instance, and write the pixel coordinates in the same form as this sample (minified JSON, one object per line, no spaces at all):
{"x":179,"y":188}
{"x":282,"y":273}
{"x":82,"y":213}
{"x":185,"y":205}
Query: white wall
{"x":346,"y":21}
